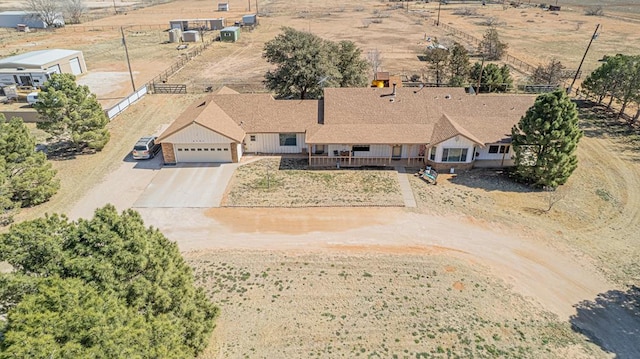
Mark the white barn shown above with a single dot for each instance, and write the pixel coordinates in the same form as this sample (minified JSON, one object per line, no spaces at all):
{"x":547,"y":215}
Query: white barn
{"x":34,"y":68}
{"x":13,"y":18}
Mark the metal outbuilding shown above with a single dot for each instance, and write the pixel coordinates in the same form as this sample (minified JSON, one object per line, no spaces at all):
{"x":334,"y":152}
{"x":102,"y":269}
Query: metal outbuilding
{"x":250,"y":20}
{"x":14,"y":18}
{"x":191,"y":36}
{"x":223,"y":6}
{"x":34,"y":68}
{"x":230,"y":34}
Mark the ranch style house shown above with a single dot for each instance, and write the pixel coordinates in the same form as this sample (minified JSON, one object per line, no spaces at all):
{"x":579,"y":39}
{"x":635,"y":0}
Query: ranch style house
{"x":352,"y":127}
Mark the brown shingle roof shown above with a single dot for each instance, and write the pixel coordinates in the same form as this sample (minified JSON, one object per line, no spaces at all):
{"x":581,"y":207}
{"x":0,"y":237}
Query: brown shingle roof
{"x":209,"y":115}
{"x":446,"y":128}
{"x":482,"y":118}
{"x":261,"y":113}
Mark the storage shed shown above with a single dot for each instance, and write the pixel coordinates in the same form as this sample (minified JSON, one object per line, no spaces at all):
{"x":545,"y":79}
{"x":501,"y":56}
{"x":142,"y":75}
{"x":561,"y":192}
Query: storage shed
{"x":223,"y":6}
{"x":33,"y":68}
{"x":250,"y":20}
{"x":181,"y":25}
{"x":191,"y":36}
{"x":230,"y":34}
{"x":217,"y":24}
{"x":30,"y":19}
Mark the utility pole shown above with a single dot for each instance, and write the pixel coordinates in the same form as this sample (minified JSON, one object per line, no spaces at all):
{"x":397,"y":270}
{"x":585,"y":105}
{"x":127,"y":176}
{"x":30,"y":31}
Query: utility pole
{"x":257,"y":11}
{"x":115,"y":9}
{"x":439,"y":4}
{"x":575,"y":77}
{"x":249,"y":5}
{"x":480,"y":77}
{"x":126,"y":51}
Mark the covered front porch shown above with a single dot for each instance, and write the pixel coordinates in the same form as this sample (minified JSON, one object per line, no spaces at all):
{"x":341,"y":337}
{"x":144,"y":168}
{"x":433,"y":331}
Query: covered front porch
{"x":359,"y":155}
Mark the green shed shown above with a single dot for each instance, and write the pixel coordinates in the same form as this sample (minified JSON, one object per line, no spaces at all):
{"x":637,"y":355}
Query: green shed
{"x":231,"y":34}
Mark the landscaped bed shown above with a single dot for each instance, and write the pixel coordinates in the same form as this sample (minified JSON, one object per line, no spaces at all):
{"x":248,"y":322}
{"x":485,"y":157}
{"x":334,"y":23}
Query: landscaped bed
{"x":275,"y":182}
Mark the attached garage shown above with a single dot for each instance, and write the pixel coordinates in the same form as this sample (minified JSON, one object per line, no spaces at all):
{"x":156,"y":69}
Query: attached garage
{"x":214,"y":152}
{"x":203,"y":133}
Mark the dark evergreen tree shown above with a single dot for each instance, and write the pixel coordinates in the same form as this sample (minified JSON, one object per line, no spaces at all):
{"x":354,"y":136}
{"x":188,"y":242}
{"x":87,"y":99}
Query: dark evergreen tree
{"x":72,"y":113}
{"x":116,"y":256}
{"x":494,"y":78}
{"x":459,"y":65}
{"x":437,"y":58}
{"x":545,"y":141}
{"x":351,"y":65}
{"x":29,"y":178}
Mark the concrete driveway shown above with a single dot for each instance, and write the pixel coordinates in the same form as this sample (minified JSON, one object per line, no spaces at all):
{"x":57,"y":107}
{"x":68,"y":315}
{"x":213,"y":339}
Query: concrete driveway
{"x":187,"y":185}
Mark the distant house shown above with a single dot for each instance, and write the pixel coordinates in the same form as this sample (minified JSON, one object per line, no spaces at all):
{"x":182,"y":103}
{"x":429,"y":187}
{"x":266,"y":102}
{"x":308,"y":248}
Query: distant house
{"x":14,"y":18}
{"x":352,"y":127}
{"x":223,"y":6}
{"x":34,"y":68}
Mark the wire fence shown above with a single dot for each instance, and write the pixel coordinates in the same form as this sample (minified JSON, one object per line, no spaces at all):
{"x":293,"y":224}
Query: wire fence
{"x":509,"y":59}
{"x":88,"y":28}
{"x":164,"y":75}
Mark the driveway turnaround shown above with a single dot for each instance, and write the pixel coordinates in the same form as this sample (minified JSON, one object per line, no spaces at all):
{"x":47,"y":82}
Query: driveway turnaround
{"x":188,"y":185}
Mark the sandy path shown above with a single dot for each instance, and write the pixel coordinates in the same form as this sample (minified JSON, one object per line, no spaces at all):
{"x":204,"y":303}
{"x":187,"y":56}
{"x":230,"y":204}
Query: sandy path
{"x":549,"y":277}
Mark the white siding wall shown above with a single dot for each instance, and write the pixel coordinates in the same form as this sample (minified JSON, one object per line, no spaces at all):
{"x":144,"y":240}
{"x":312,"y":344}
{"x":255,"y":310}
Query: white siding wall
{"x":195,"y":133}
{"x":483,"y":153}
{"x":239,"y":151}
{"x":456,"y":142}
{"x":374,"y":150}
{"x":377,"y":150}
{"x":270,"y":143}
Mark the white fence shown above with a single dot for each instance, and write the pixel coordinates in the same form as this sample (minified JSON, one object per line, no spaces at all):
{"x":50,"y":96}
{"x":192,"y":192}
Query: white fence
{"x":122,"y":105}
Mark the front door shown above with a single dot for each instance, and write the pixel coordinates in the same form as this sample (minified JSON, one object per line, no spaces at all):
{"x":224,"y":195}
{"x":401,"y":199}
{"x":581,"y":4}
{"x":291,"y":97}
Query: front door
{"x":396,"y":152}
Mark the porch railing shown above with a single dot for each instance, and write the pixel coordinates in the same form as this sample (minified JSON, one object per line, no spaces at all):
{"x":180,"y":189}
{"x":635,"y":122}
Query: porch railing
{"x":348,"y":161}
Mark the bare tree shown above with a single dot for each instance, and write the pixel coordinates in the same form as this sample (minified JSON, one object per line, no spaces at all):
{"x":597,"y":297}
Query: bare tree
{"x":375,"y":59}
{"x":553,"y":196}
{"x":46,"y":10}
{"x":74,"y":9}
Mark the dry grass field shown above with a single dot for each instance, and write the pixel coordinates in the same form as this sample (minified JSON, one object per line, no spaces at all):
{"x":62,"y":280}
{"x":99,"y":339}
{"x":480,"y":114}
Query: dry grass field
{"x":289,"y":183}
{"x":372,"y":301}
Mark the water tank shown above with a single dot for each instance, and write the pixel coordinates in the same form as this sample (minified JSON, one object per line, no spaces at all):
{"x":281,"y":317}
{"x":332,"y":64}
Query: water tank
{"x":174,"y":35}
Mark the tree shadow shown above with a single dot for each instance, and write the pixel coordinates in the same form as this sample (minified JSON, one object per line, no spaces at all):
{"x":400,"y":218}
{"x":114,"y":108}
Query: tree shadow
{"x":597,"y":121}
{"x":66,"y":150}
{"x":612,"y":321}
{"x":491,"y":180}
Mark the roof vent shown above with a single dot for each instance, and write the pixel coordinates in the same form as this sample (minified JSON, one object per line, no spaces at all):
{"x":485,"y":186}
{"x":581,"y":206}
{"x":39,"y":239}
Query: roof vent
{"x":20,"y":68}
{"x":392,"y":100}
{"x":448,"y":97}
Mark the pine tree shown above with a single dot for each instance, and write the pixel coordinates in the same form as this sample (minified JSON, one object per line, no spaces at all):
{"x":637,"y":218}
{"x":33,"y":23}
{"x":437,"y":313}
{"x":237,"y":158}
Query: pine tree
{"x":437,"y":58}
{"x":545,"y":141}
{"x":72,"y":113}
{"x":109,"y":256}
{"x":459,"y":65}
{"x":494,"y":78}
{"x":352,"y":66}
{"x":30,"y":177}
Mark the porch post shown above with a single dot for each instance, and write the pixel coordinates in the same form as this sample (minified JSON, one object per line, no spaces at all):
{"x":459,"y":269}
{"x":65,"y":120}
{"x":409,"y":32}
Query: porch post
{"x":310,"y":150}
{"x":390,"y":154}
{"x":350,"y":152}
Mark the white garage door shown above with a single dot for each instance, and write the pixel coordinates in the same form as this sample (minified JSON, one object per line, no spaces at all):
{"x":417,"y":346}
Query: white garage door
{"x":55,"y":69}
{"x":75,"y":66}
{"x":212,"y":152}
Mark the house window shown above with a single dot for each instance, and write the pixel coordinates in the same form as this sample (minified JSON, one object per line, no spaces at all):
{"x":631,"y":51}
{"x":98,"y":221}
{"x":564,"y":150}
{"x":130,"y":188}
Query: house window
{"x":360,"y":148}
{"x":252,"y":138}
{"x":288,"y":139}
{"x":498,"y":149}
{"x":454,"y":155}
{"x":432,"y":153}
